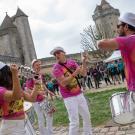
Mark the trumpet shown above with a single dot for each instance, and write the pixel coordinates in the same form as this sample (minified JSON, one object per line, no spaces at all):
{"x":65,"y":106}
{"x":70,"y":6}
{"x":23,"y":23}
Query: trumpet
{"x":27,"y":72}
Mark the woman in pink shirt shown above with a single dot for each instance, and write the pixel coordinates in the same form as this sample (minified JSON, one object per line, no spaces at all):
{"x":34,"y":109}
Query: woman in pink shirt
{"x":11,"y":101}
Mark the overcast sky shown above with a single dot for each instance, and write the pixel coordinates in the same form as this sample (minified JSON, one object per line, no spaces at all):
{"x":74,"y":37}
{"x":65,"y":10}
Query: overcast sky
{"x":59,"y":22}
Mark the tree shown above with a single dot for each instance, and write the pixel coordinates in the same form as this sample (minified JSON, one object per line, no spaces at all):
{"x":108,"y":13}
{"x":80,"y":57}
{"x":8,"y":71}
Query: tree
{"x":47,"y":76}
{"x":89,"y":39}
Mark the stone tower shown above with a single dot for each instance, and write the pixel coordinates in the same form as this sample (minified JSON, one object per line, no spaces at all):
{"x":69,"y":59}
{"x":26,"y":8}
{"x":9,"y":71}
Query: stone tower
{"x":106,"y":19}
{"x":22,"y":24}
{"x":16,"y":43}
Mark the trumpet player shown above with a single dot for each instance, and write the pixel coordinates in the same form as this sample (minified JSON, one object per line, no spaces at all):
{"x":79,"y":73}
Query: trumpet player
{"x":48,"y":130}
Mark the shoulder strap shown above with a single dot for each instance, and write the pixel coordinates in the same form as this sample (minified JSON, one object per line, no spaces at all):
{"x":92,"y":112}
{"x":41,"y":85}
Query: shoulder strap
{"x":71,"y":73}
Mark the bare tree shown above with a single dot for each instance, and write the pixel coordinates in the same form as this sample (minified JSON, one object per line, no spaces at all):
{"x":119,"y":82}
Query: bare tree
{"x":89,"y":39}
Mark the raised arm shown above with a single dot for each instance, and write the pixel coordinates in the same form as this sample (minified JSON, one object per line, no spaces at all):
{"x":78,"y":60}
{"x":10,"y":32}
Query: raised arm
{"x":108,"y":44}
{"x":15,"y":93}
{"x":31,"y":95}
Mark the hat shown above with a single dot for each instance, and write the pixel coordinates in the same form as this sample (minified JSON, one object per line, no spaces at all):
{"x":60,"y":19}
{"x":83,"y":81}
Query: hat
{"x":2,"y":65}
{"x":33,"y":61}
{"x":128,"y":18}
{"x":56,"y":49}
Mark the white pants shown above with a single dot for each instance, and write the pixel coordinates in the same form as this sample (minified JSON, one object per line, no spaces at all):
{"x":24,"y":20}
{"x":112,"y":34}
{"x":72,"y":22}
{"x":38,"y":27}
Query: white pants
{"x":13,"y":127}
{"x":77,"y":105}
{"x":48,"y":130}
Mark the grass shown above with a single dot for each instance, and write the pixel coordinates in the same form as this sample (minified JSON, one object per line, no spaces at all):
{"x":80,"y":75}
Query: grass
{"x":99,"y":108}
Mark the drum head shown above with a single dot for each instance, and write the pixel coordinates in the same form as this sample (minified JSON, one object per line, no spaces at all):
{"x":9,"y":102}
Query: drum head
{"x":27,"y":106}
{"x":118,"y":93}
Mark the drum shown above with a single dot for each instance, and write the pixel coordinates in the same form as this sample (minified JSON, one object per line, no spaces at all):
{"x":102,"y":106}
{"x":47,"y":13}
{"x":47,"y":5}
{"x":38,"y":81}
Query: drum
{"x":30,"y":119}
{"x":122,"y":107}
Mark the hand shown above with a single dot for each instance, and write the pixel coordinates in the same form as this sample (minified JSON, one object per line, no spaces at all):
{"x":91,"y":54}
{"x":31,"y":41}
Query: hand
{"x":14,"y":69}
{"x":37,"y":82}
{"x":85,"y":57}
{"x":77,"y":71}
{"x":42,"y":93}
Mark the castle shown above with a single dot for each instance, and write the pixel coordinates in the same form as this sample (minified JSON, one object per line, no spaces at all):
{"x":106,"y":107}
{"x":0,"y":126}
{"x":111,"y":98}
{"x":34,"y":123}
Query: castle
{"x":106,"y":19}
{"x":16,"y":43}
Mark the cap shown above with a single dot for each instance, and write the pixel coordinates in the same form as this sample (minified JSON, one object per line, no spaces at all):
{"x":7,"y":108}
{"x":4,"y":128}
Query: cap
{"x":2,"y":65}
{"x":56,"y":49}
{"x":128,"y":18}
{"x":33,"y":61}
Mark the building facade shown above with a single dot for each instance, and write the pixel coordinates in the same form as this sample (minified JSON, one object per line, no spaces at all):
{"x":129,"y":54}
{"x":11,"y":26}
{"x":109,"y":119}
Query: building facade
{"x":47,"y":63}
{"x":16,"y":43}
{"x":106,"y":19}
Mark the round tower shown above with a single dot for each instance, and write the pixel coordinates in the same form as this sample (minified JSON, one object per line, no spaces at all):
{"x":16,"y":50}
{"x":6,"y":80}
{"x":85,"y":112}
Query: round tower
{"x":106,"y":19}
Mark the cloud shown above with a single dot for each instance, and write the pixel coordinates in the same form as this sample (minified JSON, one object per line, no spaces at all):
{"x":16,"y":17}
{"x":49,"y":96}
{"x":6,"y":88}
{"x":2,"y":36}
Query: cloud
{"x":58,"y":22}
{"x":60,"y":25}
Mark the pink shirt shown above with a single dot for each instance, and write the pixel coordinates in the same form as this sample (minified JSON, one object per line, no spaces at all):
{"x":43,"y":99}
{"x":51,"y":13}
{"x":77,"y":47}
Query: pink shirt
{"x":71,"y":89}
{"x":30,"y":84}
{"x":11,"y":109}
{"x":2,"y":92}
{"x":127,"y":48}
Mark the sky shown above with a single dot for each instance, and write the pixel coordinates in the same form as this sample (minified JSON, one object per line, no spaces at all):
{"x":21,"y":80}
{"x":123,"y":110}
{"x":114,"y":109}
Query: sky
{"x":59,"y":22}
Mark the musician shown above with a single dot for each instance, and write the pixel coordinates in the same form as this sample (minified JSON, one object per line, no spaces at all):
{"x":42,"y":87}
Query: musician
{"x":11,"y":101}
{"x":126,"y":44}
{"x":48,"y":130}
{"x":65,"y":71}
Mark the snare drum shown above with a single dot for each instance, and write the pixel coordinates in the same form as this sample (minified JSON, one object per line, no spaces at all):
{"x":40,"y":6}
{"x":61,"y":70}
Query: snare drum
{"x":122,"y":108}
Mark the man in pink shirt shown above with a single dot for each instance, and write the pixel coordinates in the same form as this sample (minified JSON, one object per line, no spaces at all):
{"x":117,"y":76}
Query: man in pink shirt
{"x":126,"y":44}
{"x":65,"y":71}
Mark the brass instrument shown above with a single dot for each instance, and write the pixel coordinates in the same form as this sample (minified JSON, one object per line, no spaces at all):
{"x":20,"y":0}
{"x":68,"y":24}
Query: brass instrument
{"x":27,"y":72}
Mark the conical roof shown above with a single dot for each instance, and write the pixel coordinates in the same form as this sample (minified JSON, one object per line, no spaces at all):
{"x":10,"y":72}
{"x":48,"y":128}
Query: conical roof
{"x":20,"y":13}
{"x":103,"y":2}
{"x":98,"y":7}
{"x":7,"y":23}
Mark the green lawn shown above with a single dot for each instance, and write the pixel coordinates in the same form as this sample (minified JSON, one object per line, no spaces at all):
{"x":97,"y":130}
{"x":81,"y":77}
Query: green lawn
{"x":100,"y":110}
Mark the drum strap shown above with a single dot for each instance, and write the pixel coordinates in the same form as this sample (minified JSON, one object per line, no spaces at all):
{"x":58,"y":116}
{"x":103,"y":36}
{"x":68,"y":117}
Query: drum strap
{"x":71,"y":73}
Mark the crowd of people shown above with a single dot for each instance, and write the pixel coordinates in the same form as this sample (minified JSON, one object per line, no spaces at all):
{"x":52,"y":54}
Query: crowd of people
{"x":111,"y":73}
{"x":70,"y":79}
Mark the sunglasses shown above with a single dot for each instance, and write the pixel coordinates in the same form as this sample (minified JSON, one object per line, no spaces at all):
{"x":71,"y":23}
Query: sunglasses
{"x":121,"y":24}
{"x":57,"y":52}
